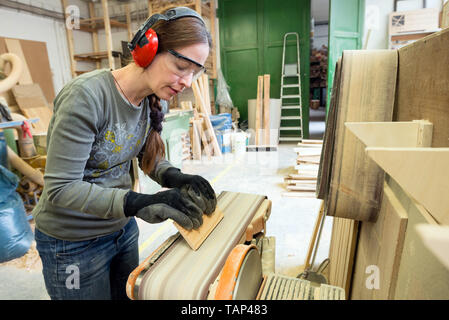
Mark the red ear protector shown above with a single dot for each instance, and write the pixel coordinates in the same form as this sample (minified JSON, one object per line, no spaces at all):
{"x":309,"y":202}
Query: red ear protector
{"x":144,"y":45}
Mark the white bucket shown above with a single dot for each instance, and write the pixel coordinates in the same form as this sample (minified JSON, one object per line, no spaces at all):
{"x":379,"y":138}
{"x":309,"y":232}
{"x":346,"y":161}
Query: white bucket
{"x":239,"y":142}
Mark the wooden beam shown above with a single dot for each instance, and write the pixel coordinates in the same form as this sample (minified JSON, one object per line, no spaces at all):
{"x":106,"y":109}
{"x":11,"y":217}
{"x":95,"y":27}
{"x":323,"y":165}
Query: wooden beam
{"x":198,"y":6}
{"x":259,"y":108}
{"x":411,"y":134}
{"x":95,"y":43}
{"x":69,"y":35}
{"x":200,"y":102}
{"x":107,"y":28}
{"x":422,"y":172}
{"x":266,"y":108}
{"x":128,"y":22}
{"x":213,"y":34}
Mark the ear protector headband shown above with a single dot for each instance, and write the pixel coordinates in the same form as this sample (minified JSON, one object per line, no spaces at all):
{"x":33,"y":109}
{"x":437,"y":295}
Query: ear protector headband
{"x":144,"y":45}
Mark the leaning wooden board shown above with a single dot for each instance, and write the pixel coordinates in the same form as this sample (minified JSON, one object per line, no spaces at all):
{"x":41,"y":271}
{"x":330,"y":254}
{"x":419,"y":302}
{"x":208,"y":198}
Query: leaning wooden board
{"x":367,"y":91}
{"x":423,"y":78}
{"x":33,"y":104}
{"x":380,"y":246}
{"x":329,"y":136}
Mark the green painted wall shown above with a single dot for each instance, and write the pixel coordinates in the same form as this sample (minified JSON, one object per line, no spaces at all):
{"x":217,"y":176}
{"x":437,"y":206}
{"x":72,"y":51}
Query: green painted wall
{"x":345,"y":32}
{"x":251,"y":39}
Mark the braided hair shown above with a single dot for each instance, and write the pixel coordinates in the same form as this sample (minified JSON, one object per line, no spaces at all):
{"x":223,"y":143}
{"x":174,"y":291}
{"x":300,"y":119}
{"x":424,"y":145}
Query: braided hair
{"x":154,"y":146}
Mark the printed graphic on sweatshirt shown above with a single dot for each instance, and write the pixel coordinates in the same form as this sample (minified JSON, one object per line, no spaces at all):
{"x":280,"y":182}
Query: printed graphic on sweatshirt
{"x":112,"y":150}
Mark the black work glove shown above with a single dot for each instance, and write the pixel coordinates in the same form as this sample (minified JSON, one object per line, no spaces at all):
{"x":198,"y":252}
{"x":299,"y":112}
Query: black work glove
{"x":155,"y":208}
{"x":174,"y":178}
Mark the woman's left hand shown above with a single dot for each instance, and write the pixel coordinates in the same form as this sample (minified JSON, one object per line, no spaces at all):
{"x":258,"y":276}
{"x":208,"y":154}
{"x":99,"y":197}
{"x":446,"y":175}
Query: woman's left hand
{"x":174,"y":178}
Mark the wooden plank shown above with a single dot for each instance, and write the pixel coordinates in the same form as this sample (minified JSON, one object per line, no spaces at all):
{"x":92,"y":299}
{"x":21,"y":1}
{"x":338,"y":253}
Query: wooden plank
{"x":422,"y":172}
{"x":69,"y":35}
{"x":203,"y":138}
{"x":196,"y":142}
{"x":266,"y":108}
{"x":422,"y":93}
{"x":95,"y":43}
{"x":14,"y":46}
{"x":324,"y":171}
{"x":432,"y":279}
{"x":196,"y":237}
{"x":107,"y":30}
{"x":259,"y":108}
{"x":380,"y":245}
{"x":200,"y":102}
{"x":393,"y":134}
{"x":314,"y":236}
{"x":342,"y":252}
{"x":33,"y":104}
{"x":41,"y":72}
{"x":367,"y":93}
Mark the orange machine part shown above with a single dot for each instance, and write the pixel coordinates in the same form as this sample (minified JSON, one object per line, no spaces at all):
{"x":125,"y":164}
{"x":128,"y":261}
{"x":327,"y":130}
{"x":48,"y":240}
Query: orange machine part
{"x":230,"y":272}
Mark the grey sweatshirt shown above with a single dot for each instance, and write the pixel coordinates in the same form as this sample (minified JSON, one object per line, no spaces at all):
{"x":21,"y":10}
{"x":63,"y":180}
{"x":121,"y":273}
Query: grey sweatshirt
{"x":92,"y":137}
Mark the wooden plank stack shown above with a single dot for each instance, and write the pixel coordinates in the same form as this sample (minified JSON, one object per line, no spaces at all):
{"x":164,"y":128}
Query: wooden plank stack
{"x":303,"y":183}
{"x":202,"y":135}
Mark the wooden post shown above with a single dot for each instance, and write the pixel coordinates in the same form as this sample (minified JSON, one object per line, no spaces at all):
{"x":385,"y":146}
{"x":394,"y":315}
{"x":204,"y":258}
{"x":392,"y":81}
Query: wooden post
{"x":212,"y":32}
{"x":259,"y":108}
{"x":128,"y":22}
{"x":266,"y":108}
{"x":150,"y":8}
{"x":107,"y":29}
{"x":198,"y":6}
{"x":95,"y":33}
{"x":69,"y":35}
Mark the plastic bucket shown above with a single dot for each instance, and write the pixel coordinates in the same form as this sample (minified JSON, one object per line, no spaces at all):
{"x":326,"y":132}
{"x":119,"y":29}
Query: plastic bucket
{"x":239,"y":140}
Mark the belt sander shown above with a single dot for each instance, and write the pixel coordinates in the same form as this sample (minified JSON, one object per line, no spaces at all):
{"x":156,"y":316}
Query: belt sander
{"x":236,"y":261}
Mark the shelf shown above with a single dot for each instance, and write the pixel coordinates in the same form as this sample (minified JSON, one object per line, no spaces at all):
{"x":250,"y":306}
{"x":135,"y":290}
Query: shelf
{"x":97,"y":23}
{"x":95,"y":56}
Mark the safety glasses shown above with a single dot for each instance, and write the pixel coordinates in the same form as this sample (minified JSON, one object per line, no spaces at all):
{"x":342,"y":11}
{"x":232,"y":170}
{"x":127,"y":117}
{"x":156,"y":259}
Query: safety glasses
{"x":183,"y":66}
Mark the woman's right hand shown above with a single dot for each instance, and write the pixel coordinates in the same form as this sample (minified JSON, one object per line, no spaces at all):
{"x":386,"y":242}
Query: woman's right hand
{"x":170,"y":204}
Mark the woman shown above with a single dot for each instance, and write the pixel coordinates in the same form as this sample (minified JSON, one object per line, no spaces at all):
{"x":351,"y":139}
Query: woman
{"x":86,"y":233}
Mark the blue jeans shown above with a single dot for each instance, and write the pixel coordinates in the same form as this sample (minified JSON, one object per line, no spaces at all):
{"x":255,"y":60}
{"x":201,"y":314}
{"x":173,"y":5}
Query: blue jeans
{"x":95,"y":269}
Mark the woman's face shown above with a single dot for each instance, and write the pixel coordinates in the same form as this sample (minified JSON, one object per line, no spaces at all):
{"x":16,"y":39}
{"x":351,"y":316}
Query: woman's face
{"x":174,"y":71}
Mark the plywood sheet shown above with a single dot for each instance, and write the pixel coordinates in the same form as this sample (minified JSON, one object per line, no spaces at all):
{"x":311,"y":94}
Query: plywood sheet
{"x":342,"y":252}
{"x":329,"y":137}
{"x":367,"y":89}
{"x":36,"y":55}
{"x":422,"y":89}
{"x":380,"y":246}
{"x":421,"y":275}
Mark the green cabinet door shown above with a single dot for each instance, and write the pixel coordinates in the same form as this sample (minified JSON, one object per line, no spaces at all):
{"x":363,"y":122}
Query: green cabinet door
{"x":345,"y":32}
{"x":251,"y":39}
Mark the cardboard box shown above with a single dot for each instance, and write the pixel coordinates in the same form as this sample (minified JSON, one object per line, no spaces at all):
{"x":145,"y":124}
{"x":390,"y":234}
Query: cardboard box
{"x":423,"y":20}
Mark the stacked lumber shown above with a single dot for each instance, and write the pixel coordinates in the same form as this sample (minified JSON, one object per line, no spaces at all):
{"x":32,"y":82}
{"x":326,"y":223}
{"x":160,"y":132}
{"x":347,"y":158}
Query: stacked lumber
{"x":303,"y":183}
{"x":318,"y":68}
{"x":202,"y":135}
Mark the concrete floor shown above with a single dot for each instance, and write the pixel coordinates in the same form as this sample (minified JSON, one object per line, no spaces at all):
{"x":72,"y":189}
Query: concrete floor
{"x":291,"y":221}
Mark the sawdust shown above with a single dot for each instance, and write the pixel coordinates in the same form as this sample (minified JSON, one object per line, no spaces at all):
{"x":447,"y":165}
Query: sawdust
{"x":30,"y":261}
